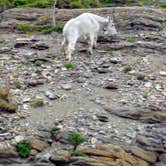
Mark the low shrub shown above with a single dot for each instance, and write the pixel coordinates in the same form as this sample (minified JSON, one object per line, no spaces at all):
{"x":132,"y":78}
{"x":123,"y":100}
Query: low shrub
{"x":23,"y":148}
{"x":75,"y":139}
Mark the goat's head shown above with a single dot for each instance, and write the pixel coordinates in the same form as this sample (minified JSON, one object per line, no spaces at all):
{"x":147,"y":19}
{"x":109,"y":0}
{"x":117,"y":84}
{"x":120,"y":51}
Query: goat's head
{"x":110,"y":29}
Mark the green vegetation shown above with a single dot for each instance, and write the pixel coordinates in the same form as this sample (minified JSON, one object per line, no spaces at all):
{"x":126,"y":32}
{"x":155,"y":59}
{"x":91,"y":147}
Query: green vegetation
{"x":131,"y":39}
{"x":75,"y":139}
{"x":127,"y":69}
{"x":5,"y":98}
{"x":58,"y":27}
{"x":69,"y":65}
{"x":38,"y":63}
{"x":31,"y":29}
{"x":32,"y":3}
{"x":26,"y":28}
{"x":54,"y":128}
{"x":8,"y":107}
{"x":108,"y":48}
{"x":145,"y":2}
{"x":54,"y":56}
{"x":23,"y":148}
{"x":78,"y":153}
{"x":3,"y":42}
{"x":37,"y":103}
{"x":84,"y":4}
{"x":74,"y":3}
{"x":141,"y":77}
{"x":161,"y":4}
{"x":17,"y":84}
{"x":38,"y":72}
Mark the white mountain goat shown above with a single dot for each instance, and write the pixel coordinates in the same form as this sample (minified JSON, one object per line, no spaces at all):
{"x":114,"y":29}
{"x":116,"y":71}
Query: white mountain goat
{"x":86,"y":25}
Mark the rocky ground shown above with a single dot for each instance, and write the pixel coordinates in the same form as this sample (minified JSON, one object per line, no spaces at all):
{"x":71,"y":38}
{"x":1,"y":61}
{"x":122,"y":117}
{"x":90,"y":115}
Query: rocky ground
{"x":117,"y":96}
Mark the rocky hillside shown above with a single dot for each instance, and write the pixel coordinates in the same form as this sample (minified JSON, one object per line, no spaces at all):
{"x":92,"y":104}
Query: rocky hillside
{"x":116,"y":98}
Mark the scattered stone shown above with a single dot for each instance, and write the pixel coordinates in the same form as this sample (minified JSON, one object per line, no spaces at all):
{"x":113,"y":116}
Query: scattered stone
{"x":66,"y":86}
{"x":9,"y":152}
{"x":37,"y":144}
{"x":19,"y":138}
{"x":60,"y":153}
{"x":116,"y":60}
{"x":40,"y":46}
{"x":111,"y":86}
{"x":103,"y":118}
{"x":51,"y":95}
{"x":162,"y":73}
{"x":35,"y":82}
{"x":22,"y":42}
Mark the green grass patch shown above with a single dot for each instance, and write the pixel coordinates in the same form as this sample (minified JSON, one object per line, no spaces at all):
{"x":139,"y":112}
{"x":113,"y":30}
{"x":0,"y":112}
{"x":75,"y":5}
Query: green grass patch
{"x":38,"y":72}
{"x":37,"y":103}
{"x":26,"y":28}
{"x":161,"y":4}
{"x":108,"y":48}
{"x":38,"y":63}
{"x":17,"y":84}
{"x":23,"y":148}
{"x":78,"y":153}
{"x":145,"y":2}
{"x":141,"y":77}
{"x":54,"y":128}
{"x":127,"y":69}
{"x":32,"y":3}
{"x":3,"y":42}
{"x":131,"y":39}
{"x":54,"y":56}
{"x":84,"y":4}
{"x":58,"y":27}
{"x":69,"y":66}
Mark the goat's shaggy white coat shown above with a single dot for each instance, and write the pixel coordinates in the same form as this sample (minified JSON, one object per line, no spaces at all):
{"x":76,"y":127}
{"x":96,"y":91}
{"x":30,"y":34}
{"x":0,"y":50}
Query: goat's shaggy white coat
{"x":86,"y":25}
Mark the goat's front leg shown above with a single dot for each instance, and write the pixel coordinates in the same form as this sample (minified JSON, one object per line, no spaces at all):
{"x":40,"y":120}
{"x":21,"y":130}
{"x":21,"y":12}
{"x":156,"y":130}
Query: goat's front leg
{"x":91,"y":44}
{"x":95,"y":41}
{"x":71,"y":48}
